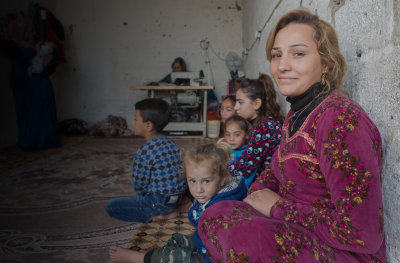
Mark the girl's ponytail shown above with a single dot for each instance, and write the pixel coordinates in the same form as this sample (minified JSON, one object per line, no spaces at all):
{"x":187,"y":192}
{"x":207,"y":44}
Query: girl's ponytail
{"x":262,"y":88}
{"x":272,"y":107}
{"x":224,"y":148}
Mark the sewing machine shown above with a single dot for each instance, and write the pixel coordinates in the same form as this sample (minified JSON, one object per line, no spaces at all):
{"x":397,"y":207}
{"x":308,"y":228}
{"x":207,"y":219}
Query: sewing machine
{"x":195,"y":78}
{"x":188,"y":96}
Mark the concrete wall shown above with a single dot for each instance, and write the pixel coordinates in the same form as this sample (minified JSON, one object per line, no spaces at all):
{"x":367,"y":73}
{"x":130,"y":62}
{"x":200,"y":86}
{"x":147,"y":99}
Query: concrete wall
{"x":8,"y":127}
{"x":371,"y":28}
{"x":111,"y":45}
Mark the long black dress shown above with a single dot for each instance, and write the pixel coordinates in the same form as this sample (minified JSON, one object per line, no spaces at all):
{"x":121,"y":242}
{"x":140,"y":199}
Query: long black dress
{"x":34,"y":102}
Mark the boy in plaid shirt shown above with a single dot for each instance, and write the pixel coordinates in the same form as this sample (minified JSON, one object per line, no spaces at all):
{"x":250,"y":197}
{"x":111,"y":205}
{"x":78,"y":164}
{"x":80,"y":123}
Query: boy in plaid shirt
{"x":156,"y":168}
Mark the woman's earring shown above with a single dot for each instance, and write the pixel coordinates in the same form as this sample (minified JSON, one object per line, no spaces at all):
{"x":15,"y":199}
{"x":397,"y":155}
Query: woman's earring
{"x":323,"y":80}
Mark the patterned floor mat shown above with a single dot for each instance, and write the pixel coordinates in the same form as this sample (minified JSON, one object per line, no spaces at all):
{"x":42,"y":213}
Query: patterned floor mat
{"x":54,"y":209}
{"x":17,"y":157}
{"x":152,"y":236}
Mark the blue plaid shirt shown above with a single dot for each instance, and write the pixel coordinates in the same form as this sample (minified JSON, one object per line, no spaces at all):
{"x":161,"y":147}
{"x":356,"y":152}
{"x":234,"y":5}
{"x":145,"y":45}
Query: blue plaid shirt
{"x":156,"y":168}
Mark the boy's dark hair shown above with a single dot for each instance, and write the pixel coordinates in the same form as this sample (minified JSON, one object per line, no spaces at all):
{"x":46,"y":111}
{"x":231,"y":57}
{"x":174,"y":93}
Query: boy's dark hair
{"x":156,"y":111}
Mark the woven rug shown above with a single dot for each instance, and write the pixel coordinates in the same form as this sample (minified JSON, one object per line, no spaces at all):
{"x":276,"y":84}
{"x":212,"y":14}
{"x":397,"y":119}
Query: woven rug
{"x":16,"y":156}
{"x":152,"y":236}
{"x":54,"y":209}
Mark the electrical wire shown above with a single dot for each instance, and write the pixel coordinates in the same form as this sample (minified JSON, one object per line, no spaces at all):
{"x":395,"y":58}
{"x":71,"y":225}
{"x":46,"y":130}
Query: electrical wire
{"x":204,"y":45}
{"x":216,"y":54}
{"x":265,"y":24}
{"x":209,"y":45}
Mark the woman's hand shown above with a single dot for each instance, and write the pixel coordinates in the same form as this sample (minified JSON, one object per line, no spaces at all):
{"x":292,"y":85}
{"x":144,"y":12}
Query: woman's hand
{"x":262,"y":201}
{"x":47,"y":60}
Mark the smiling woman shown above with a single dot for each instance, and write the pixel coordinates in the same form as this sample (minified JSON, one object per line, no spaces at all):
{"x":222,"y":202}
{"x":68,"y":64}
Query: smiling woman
{"x":320,"y":199}
{"x":297,"y":66}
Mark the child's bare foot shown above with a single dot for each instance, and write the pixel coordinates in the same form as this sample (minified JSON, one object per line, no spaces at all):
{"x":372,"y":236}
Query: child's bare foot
{"x":173,"y":214}
{"x":121,"y":254}
{"x":184,"y":204}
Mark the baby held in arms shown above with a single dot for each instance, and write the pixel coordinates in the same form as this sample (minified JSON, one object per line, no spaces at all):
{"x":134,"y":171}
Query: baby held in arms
{"x":36,"y":66}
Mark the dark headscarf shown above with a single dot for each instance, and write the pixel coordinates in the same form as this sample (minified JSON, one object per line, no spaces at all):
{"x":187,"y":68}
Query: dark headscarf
{"x":20,"y":29}
{"x":181,"y":62}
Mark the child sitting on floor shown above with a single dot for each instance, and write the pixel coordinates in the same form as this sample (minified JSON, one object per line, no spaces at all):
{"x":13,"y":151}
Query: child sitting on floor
{"x":156,"y":168}
{"x":204,"y":168}
{"x":236,"y":129}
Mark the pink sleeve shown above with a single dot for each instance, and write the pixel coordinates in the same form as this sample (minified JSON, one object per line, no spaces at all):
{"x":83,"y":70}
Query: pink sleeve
{"x":349,"y":152}
{"x":267,"y":179}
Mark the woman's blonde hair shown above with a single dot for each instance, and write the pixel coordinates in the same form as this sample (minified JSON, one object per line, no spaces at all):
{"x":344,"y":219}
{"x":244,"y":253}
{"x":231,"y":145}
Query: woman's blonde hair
{"x":327,"y":43}
{"x":215,"y":155}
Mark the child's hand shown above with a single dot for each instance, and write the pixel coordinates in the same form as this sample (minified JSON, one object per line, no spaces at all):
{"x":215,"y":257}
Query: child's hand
{"x":262,"y":201}
{"x":37,"y":45}
{"x":47,"y":60}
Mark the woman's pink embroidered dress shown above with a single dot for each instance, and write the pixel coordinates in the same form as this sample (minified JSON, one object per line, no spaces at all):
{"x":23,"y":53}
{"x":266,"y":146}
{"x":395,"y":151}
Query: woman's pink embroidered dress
{"x":329,"y":177}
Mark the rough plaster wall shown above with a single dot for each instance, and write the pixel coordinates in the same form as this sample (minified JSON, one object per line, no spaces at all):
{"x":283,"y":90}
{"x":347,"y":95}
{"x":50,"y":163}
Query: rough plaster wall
{"x":255,"y":14}
{"x":111,"y":45}
{"x":8,"y":128}
{"x":370,"y":28}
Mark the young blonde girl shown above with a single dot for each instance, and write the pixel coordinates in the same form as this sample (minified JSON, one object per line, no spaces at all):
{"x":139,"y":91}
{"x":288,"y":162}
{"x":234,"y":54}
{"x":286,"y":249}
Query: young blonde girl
{"x":204,"y":168}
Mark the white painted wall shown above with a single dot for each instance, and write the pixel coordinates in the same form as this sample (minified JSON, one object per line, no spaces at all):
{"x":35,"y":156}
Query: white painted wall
{"x":105,"y":56}
{"x":371,"y":26}
{"x":9,"y":127}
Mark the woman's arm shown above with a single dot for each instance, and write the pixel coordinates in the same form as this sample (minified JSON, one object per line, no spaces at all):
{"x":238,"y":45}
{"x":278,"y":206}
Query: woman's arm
{"x":266,"y":180}
{"x":264,"y":140}
{"x":13,"y":51}
{"x":166,"y":79}
{"x":349,"y":152}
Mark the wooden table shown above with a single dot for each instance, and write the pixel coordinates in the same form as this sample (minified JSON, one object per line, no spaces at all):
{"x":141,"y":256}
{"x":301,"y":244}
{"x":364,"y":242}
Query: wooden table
{"x":183,"y":126}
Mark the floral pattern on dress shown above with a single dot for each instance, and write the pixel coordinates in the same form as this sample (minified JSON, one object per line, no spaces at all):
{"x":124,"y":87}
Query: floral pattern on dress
{"x":381,"y":226}
{"x":233,"y":257}
{"x":291,"y":241}
{"x":354,"y":173}
{"x":312,"y":170}
{"x":375,"y":259}
{"x":267,"y":179}
{"x":287,"y":187}
{"x":239,"y":216}
{"x":340,"y":229}
{"x":289,"y":146}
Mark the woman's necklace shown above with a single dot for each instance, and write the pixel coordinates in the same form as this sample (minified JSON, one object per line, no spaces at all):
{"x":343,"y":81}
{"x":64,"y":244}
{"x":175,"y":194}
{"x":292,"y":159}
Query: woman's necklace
{"x":303,"y":109}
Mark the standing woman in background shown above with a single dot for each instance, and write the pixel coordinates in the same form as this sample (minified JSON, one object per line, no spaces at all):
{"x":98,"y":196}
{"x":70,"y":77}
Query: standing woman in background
{"x":33,"y":97}
{"x":256,"y":102}
{"x":320,"y":199}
